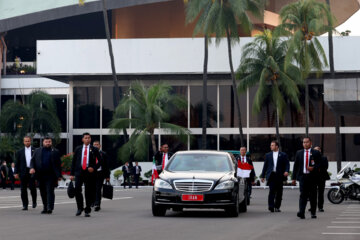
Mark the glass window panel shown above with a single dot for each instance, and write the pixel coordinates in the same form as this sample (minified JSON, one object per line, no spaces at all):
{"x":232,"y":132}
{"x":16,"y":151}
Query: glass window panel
{"x":196,"y":97}
{"x":180,"y":117}
{"x":211,"y":140}
{"x":111,"y":145}
{"x":86,"y":107}
{"x":61,"y":110}
{"x":231,"y":142}
{"x":266,"y":117}
{"x":109,"y":103}
{"x":228,"y":110}
{"x":174,"y":143}
{"x":5,"y":98}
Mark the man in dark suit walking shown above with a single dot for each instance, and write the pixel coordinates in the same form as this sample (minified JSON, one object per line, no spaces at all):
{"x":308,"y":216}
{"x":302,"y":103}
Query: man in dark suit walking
{"x":249,"y":181}
{"x":322,"y":178}
{"x":22,"y":170}
{"x":102,"y":173}
{"x":3,"y":174}
{"x":83,"y":169}
{"x":306,"y":168}
{"x":136,"y":172}
{"x":12,"y":175}
{"x":275,"y":170}
{"x":46,"y":165}
{"x":126,"y":169}
{"x":162,"y":157}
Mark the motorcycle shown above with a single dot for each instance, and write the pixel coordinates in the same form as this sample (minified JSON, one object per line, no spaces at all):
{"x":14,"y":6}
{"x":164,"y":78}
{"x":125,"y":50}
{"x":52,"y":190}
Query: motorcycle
{"x":348,"y":185}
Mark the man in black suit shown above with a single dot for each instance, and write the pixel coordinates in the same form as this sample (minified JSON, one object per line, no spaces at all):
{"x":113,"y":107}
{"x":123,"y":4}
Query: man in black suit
{"x":275,"y":170}
{"x":83,"y":170}
{"x":3,"y":174}
{"x":12,"y":175}
{"x":126,"y":169}
{"x":249,"y":181}
{"x":46,"y":165}
{"x":22,"y":170}
{"x":162,"y":157}
{"x":102,"y":173}
{"x":306,"y":168}
{"x":322,"y":178}
{"x":136,"y":172}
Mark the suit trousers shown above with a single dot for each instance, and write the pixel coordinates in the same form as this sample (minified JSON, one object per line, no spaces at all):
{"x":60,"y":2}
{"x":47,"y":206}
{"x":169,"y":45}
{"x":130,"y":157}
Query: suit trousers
{"x":47,"y":191}
{"x":89,"y":180}
{"x":320,"y":192}
{"x":3,"y":182}
{"x":275,"y":190}
{"x":25,"y":182}
{"x":99,"y":185}
{"x":136,"y":179}
{"x":127,"y":179}
{"x":308,"y":186}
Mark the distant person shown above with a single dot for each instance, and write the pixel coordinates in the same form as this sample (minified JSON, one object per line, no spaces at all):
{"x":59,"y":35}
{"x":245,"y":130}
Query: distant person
{"x":162,"y":157}
{"x":323,"y":176}
{"x":46,"y":165}
{"x":22,"y":170}
{"x":12,"y":176}
{"x":137,"y":172}
{"x":83,"y":171}
{"x":126,"y":169}
{"x":3,"y":174}
{"x":249,"y":181}
{"x":306,"y":170}
{"x":102,"y":173}
{"x":275,"y":170}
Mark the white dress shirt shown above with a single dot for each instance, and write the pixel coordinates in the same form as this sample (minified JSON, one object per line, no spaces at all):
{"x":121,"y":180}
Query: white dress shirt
{"x":305,"y":169}
{"x":275,"y":158}
{"x":166,"y":159}
{"x":87,"y":157}
{"x":243,"y":159}
{"x":28,"y":156}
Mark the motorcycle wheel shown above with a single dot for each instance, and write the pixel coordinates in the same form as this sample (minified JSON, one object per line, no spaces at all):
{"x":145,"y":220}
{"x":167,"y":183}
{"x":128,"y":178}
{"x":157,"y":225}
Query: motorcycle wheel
{"x":335,"y":196}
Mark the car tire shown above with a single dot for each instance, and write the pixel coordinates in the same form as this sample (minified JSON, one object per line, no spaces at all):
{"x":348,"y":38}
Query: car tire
{"x":243,"y":204}
{"x":233,"y":211}
{"x":157,"y":211}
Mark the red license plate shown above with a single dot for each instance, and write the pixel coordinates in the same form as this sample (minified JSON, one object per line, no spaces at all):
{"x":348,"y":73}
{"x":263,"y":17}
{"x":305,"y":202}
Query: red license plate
{"x":192,"y":197}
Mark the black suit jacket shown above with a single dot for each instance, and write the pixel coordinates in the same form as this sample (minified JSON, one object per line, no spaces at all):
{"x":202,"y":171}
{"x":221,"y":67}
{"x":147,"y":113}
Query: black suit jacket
{"x":282,"y":166}
{"x":20,"y":164}
{"x":252,"y":173}
{"x":125,"y":173}
{"x":298,"y":170}
{"x":104,"y":163}
{"x":76,"y":164}
{"x":134,"y":170}
{"x":323,"y":167}
{"x":11,"y":174}
{"x":159,"y":158}
{"x":55,"y":163}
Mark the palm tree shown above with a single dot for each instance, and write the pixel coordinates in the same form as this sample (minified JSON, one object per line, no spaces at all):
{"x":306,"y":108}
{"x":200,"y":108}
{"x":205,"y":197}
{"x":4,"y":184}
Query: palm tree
{"x":263,"y":63}
{"x":151,"y":107}
{"x":303,"y":21}
{"x":36,"y":115}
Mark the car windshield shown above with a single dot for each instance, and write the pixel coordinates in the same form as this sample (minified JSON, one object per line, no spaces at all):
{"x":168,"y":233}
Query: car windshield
{"x":200,"y":163}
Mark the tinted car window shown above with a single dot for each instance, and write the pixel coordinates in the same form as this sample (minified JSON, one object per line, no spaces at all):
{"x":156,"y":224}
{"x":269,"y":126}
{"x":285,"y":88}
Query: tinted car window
{"x":200,"y":162}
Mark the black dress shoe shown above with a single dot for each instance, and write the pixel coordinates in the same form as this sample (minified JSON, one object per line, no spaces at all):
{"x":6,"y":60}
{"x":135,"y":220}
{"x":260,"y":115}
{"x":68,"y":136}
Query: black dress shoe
{"x":79,"y":211}
{"x":49,"y":211}
{"x":87,"y":214}
{"x":97,"y":208}
{"x":300,"y":215}
{"x":45,"y":211}
{"x":34,"y":205}
{"x":321,"y":210}
{"x":24,"y":208}
{"x":277,"y":210}
{"x":271,"y":209}
{"x":313,"y":216}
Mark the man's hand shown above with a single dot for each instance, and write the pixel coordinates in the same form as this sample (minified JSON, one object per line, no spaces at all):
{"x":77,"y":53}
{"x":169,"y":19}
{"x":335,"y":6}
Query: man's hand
{"x":294,"y":182}
{"x":72,"y":178}
{"x":107,"y":179}
{"x":90,"y":169}
{"x":310,"y":168}
{"x":16,"y":176}
{"x":32,"y":171}
{"x":286,"y":174}
{"x":263,"y":180}
{"x":59,"y":179}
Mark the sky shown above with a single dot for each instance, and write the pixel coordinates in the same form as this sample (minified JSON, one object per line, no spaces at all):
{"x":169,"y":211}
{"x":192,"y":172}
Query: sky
{"x":351,"y":24}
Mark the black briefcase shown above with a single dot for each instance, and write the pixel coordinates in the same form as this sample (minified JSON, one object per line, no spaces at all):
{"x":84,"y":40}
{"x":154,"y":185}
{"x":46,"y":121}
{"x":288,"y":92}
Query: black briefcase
{"x":71,"y":190}
{"x":108,"y":191}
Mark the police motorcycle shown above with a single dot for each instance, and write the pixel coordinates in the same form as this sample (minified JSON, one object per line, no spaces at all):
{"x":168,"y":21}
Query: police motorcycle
{"x":347,"y":187}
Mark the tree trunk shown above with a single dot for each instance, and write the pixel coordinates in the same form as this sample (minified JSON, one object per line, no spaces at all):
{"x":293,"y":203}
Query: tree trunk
{"x":235,"y":87}
{"x":277,"y":128}
{"x":153,"y":143}
{"x":338,"y":142}
{"x":204,"y":103}
{"x":306,"y":100}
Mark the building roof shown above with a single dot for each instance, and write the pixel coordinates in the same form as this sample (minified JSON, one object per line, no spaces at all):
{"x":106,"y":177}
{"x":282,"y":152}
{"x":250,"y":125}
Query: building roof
{"x":21,"y":13}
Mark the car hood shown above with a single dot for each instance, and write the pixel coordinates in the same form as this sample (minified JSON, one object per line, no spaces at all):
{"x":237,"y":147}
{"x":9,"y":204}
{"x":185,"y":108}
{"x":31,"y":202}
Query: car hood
{"x":214,"y":176}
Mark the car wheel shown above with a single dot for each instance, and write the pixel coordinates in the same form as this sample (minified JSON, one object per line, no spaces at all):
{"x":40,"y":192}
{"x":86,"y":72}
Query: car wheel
{"x":157,"y":211}
{"x":243,"y":204}
{"x":233,"y":211}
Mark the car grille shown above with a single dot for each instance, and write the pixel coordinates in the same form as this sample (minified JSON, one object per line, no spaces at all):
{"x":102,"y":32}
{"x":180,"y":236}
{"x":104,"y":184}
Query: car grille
{"x":193,"y":185}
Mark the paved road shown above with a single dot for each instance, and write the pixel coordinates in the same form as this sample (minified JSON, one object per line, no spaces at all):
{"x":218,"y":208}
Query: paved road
{"x":129,"y":217}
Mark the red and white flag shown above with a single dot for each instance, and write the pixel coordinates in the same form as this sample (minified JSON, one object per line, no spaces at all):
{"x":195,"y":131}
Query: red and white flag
{"x":244,"y":169}
{"x":154,"y":174}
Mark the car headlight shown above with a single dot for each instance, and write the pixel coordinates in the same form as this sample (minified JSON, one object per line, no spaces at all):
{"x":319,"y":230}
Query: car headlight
{"x":225,"y":185}
{"x":162,"y":184}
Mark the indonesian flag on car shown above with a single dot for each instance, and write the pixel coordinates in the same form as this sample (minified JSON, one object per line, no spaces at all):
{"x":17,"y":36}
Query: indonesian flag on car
{"x":244,"y":169}
{"x":154,"y":174}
